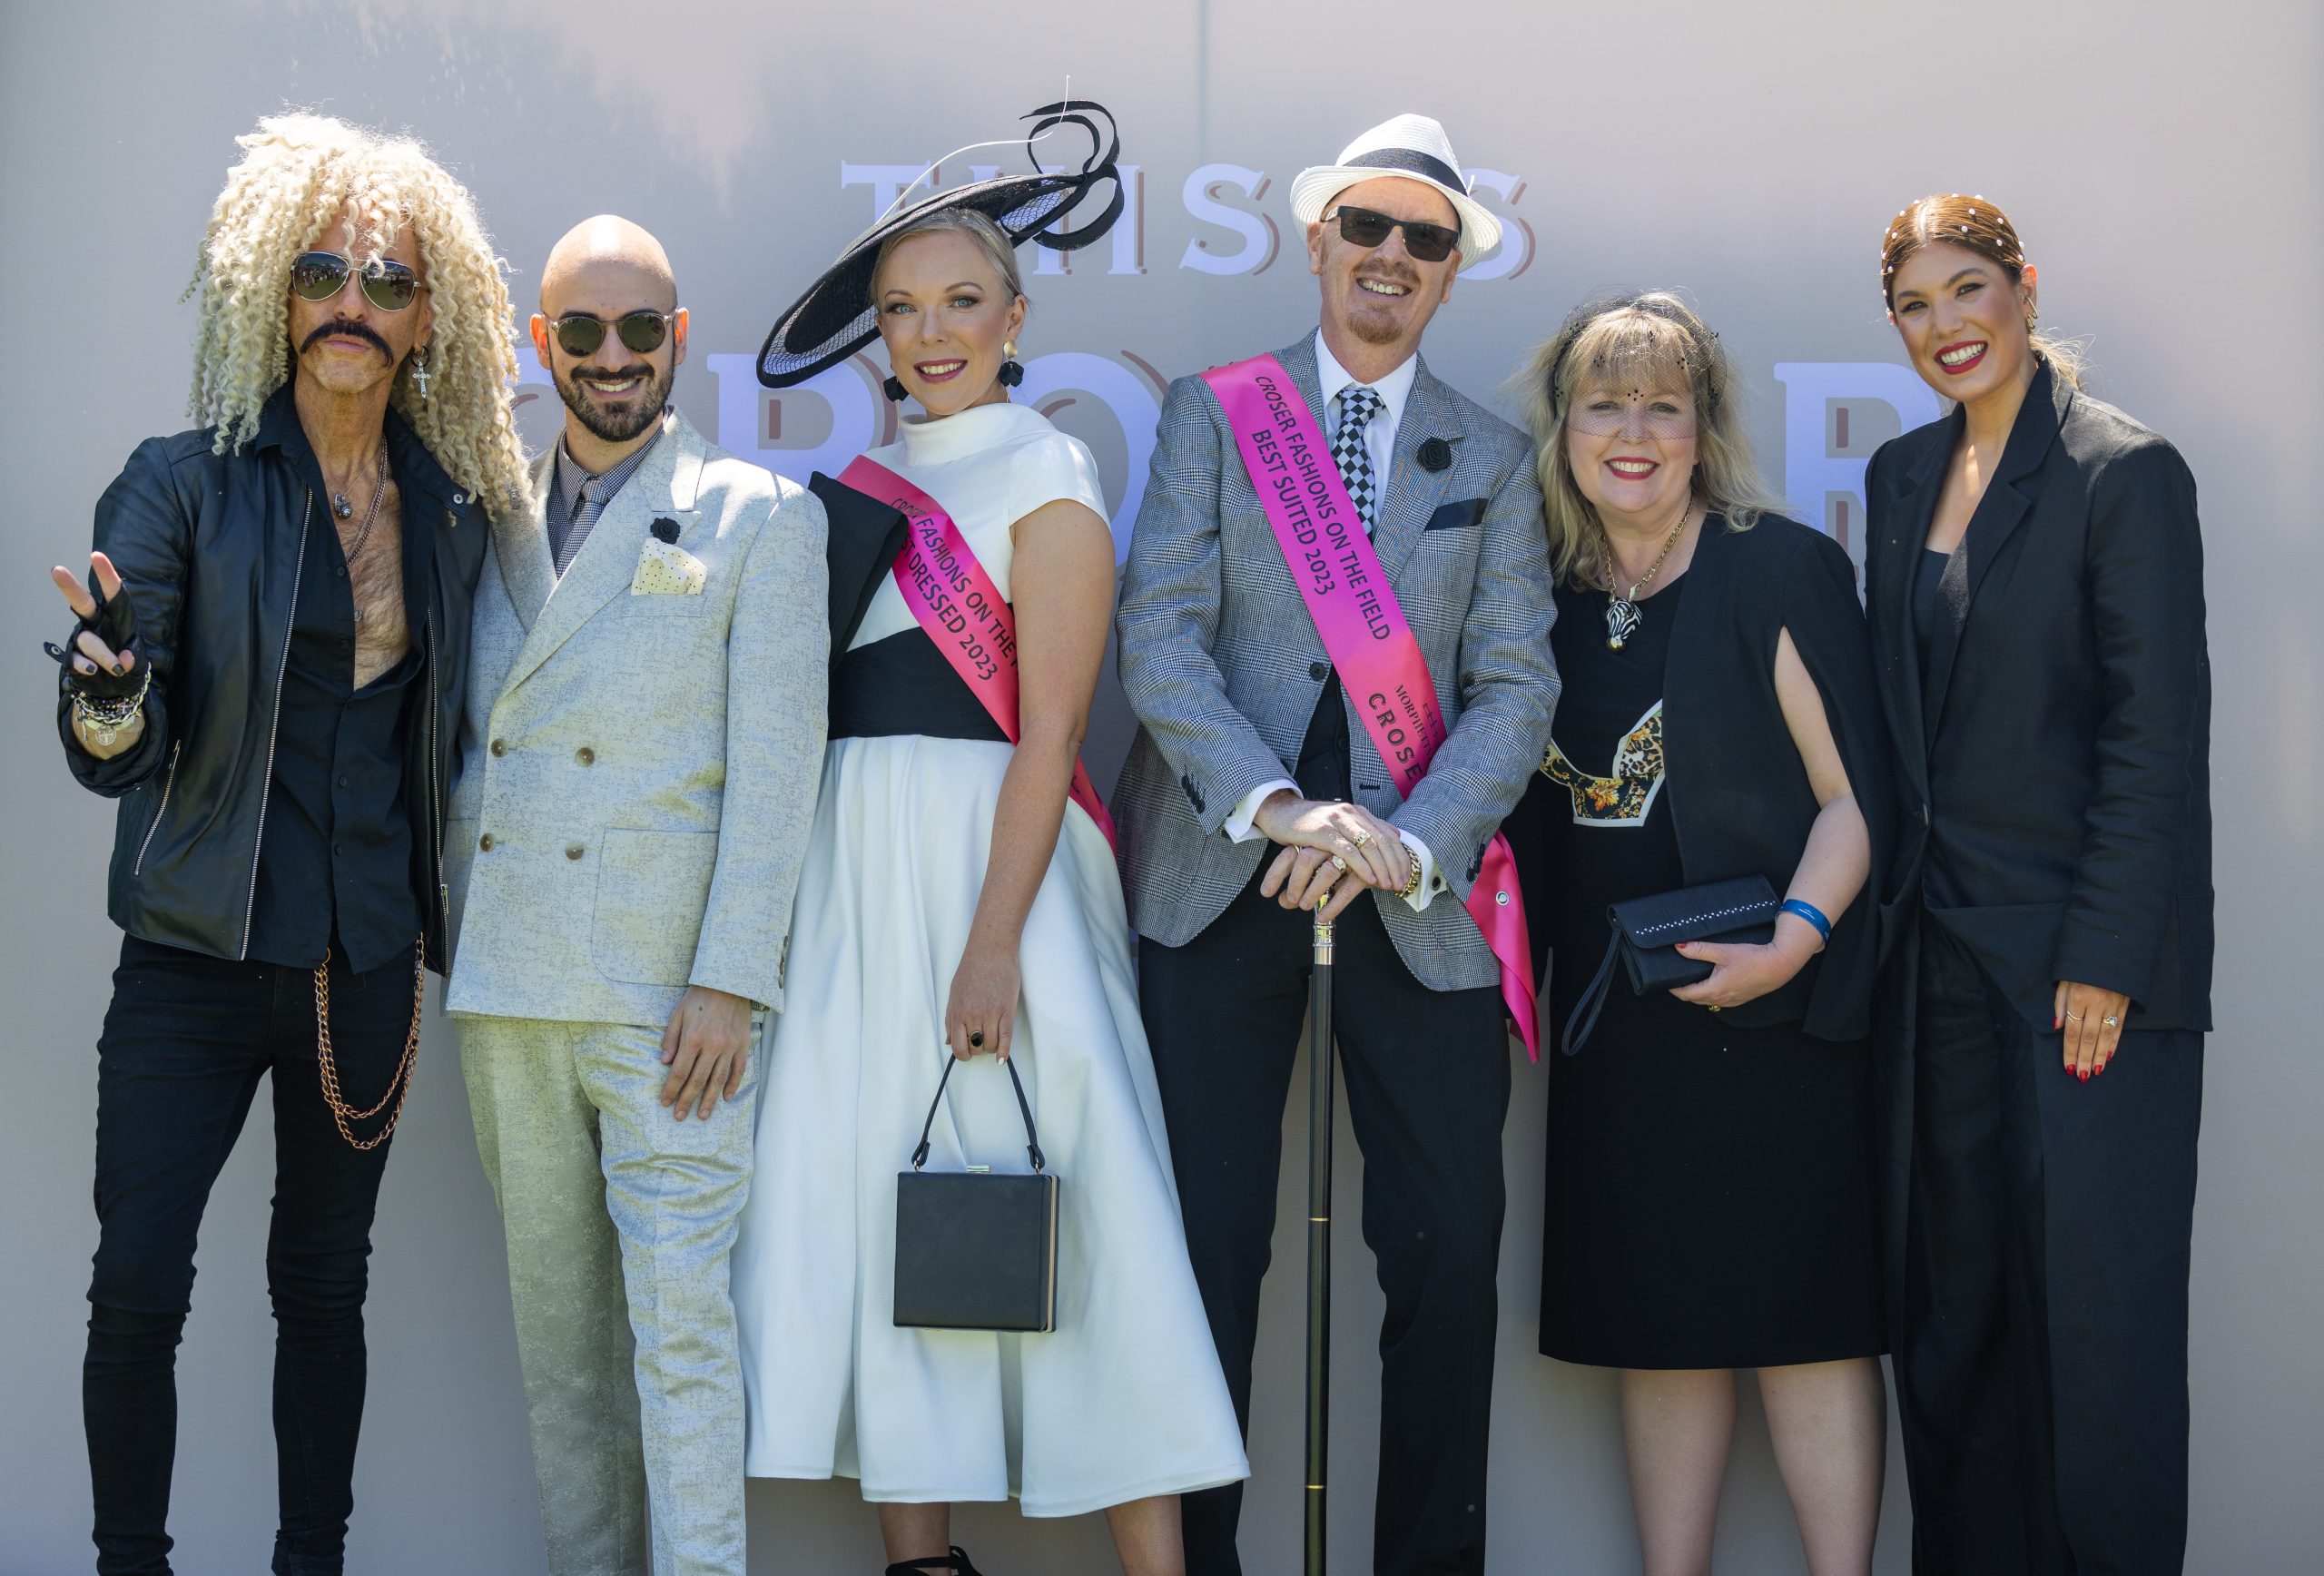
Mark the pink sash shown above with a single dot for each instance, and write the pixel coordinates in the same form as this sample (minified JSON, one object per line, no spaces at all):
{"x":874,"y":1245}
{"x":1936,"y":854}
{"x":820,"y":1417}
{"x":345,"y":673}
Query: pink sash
{"x":1356,"y":611}
{"x":961,"y":608}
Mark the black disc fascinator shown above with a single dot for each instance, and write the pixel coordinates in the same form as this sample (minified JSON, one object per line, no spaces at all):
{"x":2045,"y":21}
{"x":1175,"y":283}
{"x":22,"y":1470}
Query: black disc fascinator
{"x":835,"y":318}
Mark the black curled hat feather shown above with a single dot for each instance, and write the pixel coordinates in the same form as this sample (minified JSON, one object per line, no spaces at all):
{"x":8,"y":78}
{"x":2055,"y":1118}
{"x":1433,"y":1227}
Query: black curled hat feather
{"x":835,"y":318}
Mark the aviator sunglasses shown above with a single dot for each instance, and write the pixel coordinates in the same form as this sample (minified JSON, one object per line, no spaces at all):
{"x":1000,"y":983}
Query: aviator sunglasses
{"x":1428,"y":242}
{"x":317,"y":276}
{"x":642,"y":331}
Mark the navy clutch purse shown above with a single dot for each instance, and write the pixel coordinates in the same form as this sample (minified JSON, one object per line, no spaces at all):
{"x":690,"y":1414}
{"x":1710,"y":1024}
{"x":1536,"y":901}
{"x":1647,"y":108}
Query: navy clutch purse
{"x":977,"y":1249}
{"x":1647,"y":930}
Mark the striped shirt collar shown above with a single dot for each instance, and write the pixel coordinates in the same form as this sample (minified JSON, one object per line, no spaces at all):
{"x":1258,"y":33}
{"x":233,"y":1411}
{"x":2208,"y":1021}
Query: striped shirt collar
{"x":571,"y":478}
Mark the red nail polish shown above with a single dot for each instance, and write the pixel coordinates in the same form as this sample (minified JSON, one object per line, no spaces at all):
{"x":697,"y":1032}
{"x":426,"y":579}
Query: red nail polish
{"x":2086,"y":1076}
{"x":2056,"y":1023}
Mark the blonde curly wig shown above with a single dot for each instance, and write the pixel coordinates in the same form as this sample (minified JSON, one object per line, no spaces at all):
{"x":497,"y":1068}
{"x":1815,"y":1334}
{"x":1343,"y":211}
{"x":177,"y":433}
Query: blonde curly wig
{"x":297,"y":172}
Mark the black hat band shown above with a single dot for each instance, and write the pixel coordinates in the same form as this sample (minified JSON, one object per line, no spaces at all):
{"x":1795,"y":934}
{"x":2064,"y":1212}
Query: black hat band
{"x":1412,"y":162}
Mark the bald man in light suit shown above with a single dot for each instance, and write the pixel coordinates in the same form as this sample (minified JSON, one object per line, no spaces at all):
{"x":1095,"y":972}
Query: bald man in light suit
{"x":643,"y":736}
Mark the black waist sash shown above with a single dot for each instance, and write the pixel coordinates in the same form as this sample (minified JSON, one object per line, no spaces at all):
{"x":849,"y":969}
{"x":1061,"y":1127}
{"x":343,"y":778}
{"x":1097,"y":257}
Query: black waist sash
{"x":902,"y":685}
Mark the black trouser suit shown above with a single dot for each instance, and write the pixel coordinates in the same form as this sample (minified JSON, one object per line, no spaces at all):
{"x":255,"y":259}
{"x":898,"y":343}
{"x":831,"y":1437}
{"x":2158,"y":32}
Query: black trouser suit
{"x":2047,"y":690}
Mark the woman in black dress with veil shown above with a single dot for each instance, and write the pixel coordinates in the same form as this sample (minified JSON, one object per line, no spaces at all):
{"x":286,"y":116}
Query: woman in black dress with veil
{"x":1710,"y":1190}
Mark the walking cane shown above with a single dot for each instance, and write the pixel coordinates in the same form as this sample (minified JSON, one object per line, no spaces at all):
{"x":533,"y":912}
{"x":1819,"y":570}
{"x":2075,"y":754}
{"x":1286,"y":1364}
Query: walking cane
{"x":1319,"y":1237}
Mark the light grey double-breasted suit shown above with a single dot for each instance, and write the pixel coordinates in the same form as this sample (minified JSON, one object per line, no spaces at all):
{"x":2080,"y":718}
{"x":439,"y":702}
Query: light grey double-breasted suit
{"x":638,"y":774}
{"x":675,"y":740}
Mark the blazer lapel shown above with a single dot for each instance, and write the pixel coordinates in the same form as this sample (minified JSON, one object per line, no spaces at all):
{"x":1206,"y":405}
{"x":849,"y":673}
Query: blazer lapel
{"x":1410,"y":494}
{"x":1910,"y":508}
{"x":521,"y":544}
{"x":1998,"y":515}
{"x":1298,"y":359}
{"x":608,"y":561}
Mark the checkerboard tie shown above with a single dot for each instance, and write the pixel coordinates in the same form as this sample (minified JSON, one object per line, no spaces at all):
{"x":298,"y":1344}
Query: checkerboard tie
{"x":1359,"y":402}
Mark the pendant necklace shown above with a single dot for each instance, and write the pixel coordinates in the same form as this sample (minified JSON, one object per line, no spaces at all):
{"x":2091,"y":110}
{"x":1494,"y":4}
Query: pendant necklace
{"x":1622,"y":616}
{"x":340,"y":506}
{"x":344,"y":506}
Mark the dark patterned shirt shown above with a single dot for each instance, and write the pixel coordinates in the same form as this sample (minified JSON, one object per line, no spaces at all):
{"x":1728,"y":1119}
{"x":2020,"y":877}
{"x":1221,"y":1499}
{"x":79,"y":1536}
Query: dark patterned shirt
{"x":575,"y":499}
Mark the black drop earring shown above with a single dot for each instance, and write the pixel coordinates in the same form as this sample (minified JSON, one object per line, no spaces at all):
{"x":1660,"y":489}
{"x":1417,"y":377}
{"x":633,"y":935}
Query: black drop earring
{"x":1011,"y":372}
{"x":894,"y":389}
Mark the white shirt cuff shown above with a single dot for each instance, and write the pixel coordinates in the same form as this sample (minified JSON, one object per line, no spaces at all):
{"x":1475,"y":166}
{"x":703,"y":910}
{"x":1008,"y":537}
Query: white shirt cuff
{"x":1239,"y":827}
{"x":1429,"y":883}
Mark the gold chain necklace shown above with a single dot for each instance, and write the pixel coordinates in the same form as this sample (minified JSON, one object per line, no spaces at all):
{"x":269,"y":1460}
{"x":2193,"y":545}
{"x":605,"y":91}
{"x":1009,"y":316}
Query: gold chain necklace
{"x":1622,"y":616}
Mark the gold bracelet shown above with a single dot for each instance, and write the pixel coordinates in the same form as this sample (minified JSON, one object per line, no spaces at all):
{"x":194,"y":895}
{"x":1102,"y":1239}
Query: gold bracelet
{"x":1412,"y":882}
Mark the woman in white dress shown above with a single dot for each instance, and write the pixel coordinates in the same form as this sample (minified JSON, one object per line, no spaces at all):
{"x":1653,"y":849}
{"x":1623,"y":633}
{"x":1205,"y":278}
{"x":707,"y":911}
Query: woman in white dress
{"x":954,"y":903}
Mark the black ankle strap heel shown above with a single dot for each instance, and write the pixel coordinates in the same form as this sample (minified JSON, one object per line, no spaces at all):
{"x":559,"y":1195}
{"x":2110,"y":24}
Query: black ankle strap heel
{"x":956,"y":1564}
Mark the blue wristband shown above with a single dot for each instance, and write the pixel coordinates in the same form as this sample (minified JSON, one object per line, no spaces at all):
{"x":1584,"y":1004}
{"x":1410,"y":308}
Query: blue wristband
{"x":1811,"y":913}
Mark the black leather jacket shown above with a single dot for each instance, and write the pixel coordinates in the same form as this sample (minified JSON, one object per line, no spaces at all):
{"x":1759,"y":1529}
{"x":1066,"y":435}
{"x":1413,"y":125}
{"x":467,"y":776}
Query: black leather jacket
{"x":210,"y":547}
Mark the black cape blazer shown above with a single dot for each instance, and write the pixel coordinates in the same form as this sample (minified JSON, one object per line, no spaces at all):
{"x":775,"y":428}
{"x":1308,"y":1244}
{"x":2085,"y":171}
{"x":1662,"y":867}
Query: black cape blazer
{"x":1741,"y":802}
{"x":862,"y":544}
{"x":1740,"y":796}
{"x":2055,"y":754}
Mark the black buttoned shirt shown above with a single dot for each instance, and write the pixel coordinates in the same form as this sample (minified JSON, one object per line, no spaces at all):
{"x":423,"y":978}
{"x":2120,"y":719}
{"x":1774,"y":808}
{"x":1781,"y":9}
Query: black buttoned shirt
{"x":336,"y":862}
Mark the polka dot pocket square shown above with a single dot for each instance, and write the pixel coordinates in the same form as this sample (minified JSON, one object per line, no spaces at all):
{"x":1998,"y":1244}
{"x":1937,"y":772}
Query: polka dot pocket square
{"x":666,"y":569}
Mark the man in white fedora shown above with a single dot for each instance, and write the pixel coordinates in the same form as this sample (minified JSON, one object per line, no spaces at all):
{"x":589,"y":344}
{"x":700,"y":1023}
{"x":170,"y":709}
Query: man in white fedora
{"x":1259,"y":786}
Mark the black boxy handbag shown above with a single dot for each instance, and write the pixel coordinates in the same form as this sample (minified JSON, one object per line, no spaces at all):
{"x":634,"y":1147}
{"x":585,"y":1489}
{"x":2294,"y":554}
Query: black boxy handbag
{"x":976,"y":1250}
{"x":1647,"y":930}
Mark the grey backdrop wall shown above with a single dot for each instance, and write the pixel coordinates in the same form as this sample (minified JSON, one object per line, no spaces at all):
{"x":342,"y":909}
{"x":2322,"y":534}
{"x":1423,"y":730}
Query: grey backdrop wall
{"x":2162,"y":161}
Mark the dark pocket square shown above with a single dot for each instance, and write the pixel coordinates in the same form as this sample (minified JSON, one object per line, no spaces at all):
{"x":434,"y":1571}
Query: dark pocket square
{"x":1456,"y":516}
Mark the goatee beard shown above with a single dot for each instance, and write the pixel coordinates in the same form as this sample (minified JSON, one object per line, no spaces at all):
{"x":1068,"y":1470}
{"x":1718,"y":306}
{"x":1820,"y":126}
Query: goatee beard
{"x":638,"y":413}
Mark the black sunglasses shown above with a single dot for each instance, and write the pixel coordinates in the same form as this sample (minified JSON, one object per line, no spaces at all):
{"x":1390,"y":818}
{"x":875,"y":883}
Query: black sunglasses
{"x":1428,"y":242}
{"x":642,"y":331}
{"x":317,"y":276}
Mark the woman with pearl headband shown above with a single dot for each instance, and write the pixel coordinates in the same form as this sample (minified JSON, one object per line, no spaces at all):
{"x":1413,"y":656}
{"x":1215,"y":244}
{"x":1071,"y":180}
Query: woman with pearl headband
{"x":2034,"y":584}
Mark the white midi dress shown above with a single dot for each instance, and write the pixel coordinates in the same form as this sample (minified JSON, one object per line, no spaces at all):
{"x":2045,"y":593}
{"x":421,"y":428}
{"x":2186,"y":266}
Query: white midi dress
{"x":1124,"y":1399}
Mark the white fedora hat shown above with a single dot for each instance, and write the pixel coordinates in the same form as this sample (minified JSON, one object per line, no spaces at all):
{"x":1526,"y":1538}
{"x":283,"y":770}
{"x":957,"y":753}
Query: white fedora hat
{"x":1415,"y":148}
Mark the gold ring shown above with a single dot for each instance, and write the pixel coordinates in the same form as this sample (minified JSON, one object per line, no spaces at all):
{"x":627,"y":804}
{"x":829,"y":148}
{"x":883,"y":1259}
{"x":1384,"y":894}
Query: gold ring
{"x":1338,"y":864}
{"x":2111,"y":1022}
{"x":1714,"y":1007}
{"x":2073,"y":1017}
{"x":1360,"y":836}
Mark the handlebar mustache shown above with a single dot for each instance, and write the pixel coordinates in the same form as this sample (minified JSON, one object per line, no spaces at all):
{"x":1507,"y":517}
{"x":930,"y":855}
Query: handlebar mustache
{"x":345,"y":327}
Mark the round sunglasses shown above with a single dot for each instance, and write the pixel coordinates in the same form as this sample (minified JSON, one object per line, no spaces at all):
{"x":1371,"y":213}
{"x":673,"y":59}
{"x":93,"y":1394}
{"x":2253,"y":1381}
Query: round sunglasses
{"x":643,"y":332}
{"x":317,"y":276}
{"x":1427,"y":242}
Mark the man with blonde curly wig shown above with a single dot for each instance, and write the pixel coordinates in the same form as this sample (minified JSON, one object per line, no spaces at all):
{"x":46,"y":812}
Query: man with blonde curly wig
{"x":266,"y":675}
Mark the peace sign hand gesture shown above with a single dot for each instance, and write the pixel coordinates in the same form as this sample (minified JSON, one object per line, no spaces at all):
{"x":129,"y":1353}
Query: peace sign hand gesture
{"x":101,"y":667}
{"x":101,"y":660}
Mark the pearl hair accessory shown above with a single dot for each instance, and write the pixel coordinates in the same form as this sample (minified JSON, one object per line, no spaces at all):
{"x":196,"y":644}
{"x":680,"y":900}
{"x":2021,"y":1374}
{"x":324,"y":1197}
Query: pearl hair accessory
{"x":2011,"y":253}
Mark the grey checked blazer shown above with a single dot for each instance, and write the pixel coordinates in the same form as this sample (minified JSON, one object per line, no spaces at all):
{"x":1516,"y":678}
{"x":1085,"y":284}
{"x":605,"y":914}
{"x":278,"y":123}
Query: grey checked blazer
{"x":1224,"y":666}
{"x":644,"y":764}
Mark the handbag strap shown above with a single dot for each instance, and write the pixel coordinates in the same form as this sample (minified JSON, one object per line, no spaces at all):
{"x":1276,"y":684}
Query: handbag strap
{"x":1584,"y":1017}
{"x":1033,"y":1139}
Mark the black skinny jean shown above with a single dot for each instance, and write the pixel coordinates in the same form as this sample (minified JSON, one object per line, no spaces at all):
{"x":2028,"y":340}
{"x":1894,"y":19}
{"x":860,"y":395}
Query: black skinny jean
{"x":185,"y":1041}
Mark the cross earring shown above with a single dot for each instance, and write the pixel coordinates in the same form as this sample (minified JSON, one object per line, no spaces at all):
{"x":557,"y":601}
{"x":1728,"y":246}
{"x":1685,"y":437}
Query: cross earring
{"x":420,"y":373}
